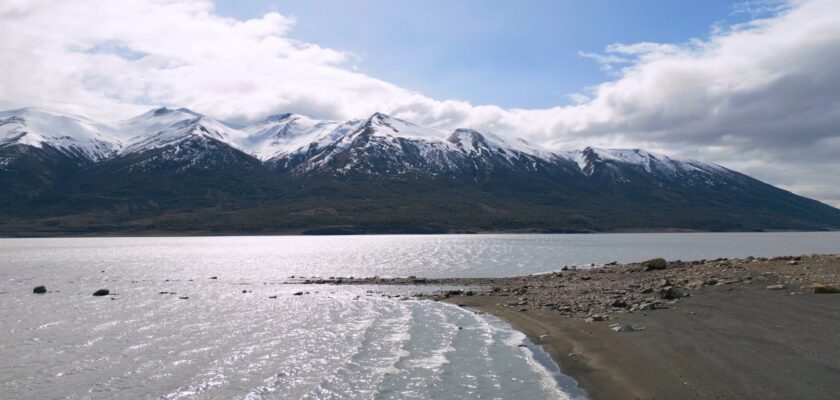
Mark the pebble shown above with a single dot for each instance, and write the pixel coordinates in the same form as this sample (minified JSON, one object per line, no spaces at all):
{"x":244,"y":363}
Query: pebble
{"x":622,"y":328}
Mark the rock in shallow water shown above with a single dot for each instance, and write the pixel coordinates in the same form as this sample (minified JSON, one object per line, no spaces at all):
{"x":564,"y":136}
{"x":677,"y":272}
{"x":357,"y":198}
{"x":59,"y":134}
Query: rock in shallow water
{"x":39,"y":289}
{"x":101,"y":292}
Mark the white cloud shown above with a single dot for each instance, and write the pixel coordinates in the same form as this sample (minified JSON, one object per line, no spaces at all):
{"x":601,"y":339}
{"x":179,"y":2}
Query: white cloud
{"x":763,"y":96}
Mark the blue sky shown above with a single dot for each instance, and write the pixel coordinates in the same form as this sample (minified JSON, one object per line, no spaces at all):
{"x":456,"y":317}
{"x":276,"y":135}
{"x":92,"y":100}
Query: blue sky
{"x":511,"y":54}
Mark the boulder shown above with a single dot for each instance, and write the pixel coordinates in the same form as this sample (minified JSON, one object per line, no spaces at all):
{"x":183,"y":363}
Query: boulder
{"x":777,"y":286}
{"x":40,"y":289}
{"x":102,"y":292}
{"x":655,"y":264}
{"x":825,"y":289}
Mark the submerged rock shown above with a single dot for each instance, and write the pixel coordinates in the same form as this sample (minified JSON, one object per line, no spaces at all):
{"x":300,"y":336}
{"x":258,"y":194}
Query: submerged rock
{"x":40,"y":289}
{"x":101,"y":292}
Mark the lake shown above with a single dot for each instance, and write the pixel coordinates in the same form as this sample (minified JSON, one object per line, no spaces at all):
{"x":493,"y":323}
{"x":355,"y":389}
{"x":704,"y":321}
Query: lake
{"x":231,"y":340}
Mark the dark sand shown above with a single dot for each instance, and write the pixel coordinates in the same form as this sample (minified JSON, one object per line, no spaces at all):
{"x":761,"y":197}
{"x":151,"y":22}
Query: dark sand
{"x":724,"y":342}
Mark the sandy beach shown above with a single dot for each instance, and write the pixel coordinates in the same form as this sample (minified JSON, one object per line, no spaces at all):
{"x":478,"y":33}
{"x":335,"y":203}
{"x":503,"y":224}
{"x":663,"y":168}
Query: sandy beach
{"x":750,"y":328}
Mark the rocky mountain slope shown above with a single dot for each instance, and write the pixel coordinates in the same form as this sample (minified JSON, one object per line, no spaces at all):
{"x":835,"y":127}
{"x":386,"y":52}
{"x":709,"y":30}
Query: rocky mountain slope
{"x":178,"y":170}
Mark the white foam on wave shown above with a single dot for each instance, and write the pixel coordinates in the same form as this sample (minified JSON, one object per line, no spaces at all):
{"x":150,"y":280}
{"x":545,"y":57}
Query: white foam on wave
{"x":514,"y":338}
{"x":547,"y":379}
{"x":435,"y":361}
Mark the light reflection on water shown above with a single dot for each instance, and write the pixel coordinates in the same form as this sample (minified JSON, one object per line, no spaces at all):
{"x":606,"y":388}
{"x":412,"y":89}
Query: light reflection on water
{"x":276,"y":257}
{"x":335,"y":342}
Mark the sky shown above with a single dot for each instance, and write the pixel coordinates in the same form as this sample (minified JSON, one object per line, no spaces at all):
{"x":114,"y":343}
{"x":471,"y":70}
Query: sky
{"x":751,"y":85}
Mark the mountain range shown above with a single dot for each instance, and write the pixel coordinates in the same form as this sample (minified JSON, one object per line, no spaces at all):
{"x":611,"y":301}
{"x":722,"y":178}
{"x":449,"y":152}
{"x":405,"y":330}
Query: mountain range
{"x":175,"y":170}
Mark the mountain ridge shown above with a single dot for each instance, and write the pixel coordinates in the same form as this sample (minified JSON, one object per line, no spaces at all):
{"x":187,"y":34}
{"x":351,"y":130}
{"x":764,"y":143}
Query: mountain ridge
{"x":178,"y":170}
{"x":165,"y":126}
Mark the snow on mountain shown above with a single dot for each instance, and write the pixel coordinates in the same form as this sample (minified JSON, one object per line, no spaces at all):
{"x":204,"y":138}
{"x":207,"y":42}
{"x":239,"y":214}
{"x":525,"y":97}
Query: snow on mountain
{"x":284,"y":134}
{"x":165,"y":127}
{"x":589,"y":159}
{"x":379,"y":144}
{"x":72,"y":135}
{"x":382,"y":125}
{"x":472,"y":142}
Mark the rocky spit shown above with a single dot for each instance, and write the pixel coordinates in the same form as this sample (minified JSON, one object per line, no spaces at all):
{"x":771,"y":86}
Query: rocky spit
{"x":594,"y":293}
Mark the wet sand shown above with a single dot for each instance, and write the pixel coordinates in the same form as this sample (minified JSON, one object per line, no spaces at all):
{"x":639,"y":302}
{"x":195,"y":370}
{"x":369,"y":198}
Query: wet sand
{"x":747,"y":343}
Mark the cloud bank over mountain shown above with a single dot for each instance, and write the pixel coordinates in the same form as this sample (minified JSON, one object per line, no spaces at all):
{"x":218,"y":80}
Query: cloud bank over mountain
{"x":762,"y":97}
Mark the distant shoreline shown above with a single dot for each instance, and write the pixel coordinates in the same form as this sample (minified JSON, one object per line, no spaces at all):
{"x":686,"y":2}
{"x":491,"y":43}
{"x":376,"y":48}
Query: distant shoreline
{"x":140,"y":234}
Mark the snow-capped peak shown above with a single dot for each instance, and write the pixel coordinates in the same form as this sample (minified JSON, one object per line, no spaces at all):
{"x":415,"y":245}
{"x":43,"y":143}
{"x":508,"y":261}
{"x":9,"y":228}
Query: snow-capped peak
{"x":73,"y":135}
{"x":288,"y":133}
{"x":474,"y":142}
{"x":164,"y":127}
{"x":383,"y":125}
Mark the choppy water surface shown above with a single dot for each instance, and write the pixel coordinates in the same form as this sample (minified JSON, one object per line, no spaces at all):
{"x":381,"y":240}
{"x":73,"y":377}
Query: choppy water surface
{"x":336,"y":342}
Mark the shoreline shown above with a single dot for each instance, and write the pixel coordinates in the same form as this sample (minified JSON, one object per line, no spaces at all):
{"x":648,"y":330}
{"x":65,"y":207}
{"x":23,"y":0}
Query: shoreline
{"x":733,"y":340}
{"x":303,"y":233}
{"x":725,"y":328}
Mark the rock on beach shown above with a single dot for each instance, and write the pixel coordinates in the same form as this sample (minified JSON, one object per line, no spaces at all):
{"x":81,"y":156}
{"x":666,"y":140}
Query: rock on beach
{"x":655,"y":264}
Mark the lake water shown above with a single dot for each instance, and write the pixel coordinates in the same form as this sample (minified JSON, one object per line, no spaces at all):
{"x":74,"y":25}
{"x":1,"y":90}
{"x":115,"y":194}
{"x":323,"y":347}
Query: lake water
{"x":336,"y":342}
